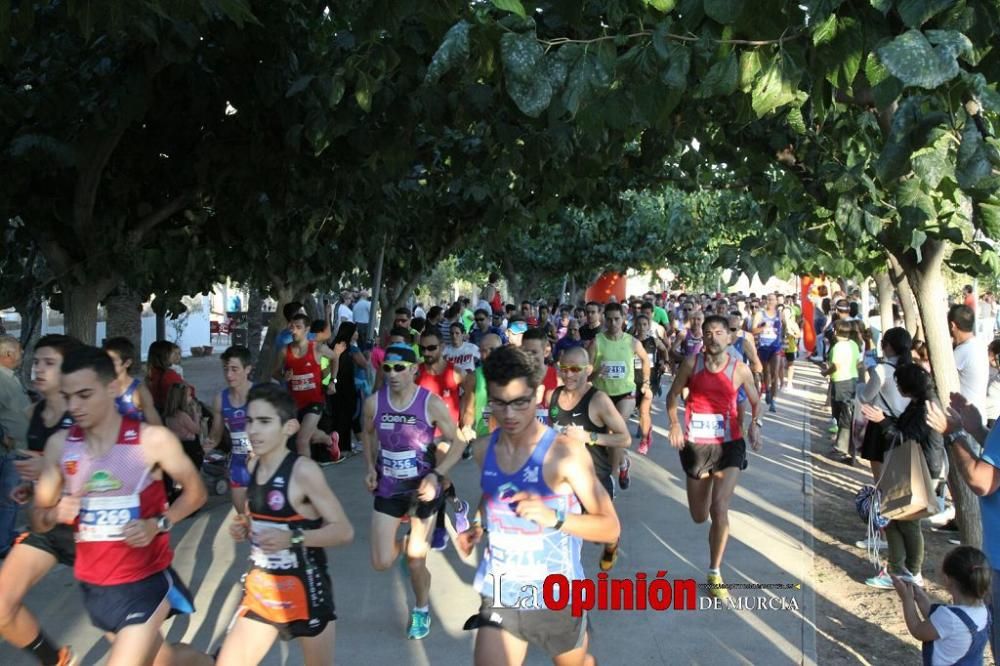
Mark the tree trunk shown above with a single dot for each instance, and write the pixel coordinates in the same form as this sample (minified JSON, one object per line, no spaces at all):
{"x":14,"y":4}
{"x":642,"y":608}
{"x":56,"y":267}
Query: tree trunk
{"x":30,"y":311}
{"x":927,"y":281}
{"x":266,"y":358}
{"x":255,"y":322}
{"x":907,"y":300}
{"x":513,"y":280}
{"x":884,"y":286}
{"x":375,"y":318}
{"x":124,"y":314}
{"x":80,"y":311}
{"x":159,"y":306}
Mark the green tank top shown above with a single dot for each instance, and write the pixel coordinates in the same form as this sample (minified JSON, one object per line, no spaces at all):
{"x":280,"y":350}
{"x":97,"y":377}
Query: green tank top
{"x":324,"y":363}
{"x":482,"y":425}
{"x":615,"y":372}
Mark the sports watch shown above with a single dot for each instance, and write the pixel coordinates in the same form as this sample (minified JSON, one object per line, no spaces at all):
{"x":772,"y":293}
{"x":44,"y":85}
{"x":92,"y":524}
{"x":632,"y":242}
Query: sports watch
{"x":163,"y":524}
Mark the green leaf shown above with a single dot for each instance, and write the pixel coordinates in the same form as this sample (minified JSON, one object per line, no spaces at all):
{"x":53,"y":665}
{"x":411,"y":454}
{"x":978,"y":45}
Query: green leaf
{"x":721,"y":78}
{"x":912,"y":59}
{"x":953,"y":42}
{"x":675,"y":74}
{"x":917,"y":12}
{"x":973,"y":167}
{"x":917,"y":238}
{"x":453,"y":51}
{"x":988,"y":218}
{"x":982,"y":91}
{"x":881,"y":5}
{"x":724,"y":11}
{"x":526,"y":83}
{"x":776,"y":87}
{"x":825,"y":31}
{"x":664,"y":6}
{"x":363,"y":93}
{"x":299,"y":85}
{"x":843,"y":54}
{"x":796,"y":121}
{"x":886,"y":88}
{"x":916,"y":208}
{"x":514,"y":6}
{"x":749,"y":67}
{"x":933,"y":163}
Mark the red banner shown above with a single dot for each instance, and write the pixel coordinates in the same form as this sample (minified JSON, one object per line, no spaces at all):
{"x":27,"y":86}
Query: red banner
{"x":808,"y":331}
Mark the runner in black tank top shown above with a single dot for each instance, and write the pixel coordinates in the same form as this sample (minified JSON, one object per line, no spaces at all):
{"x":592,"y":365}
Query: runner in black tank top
{"x":38,"y":432}
{"x":593,"y":420}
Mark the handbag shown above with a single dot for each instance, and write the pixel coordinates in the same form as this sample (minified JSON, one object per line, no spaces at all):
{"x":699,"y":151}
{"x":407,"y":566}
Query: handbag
{"x":906,"y":487}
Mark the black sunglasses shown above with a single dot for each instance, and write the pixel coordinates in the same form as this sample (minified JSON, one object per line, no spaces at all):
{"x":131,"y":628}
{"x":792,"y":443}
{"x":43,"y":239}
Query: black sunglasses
{"x":429,"y":348}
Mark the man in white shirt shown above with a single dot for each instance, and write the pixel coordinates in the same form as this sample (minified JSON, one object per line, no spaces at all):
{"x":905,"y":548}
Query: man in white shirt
{"x":971,"y":358}
{"x":362,"y":313}
{"x":461,"y":352}
{"x":14,"y":405}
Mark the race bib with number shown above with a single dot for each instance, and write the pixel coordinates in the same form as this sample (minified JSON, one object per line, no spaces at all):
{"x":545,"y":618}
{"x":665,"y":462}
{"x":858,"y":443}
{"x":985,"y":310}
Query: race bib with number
{"x":104,"y":518}
{"x":399,"y":464}
{"x":303,"y":383}
{"x":280,"y":561}
{"x":613,"y":370}
{"x":241,"y":443}
{"x":637,"y":362}
{"x":707,"y":428}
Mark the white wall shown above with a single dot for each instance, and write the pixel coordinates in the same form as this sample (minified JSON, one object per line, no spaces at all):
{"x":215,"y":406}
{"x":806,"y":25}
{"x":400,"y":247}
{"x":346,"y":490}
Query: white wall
{"x":195,"y":334}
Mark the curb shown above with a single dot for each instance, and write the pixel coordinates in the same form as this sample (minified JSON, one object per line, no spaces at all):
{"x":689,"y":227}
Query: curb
{"x":809,"y":654}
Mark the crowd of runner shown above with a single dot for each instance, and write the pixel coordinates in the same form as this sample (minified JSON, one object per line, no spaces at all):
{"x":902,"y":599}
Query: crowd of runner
{"x":540,"y":396}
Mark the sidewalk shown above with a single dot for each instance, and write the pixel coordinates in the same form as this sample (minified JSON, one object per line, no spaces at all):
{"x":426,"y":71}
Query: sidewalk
{"x":769,"y":544}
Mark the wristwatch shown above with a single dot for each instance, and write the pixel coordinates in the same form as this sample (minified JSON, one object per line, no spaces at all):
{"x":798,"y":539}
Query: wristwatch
{"x":952,"y":437}
{"x":297,"y":537}
{"x":560,"y":519}
{"x":163,"y":524}
{"x":759,"y":423}
{"x":593,"y":439}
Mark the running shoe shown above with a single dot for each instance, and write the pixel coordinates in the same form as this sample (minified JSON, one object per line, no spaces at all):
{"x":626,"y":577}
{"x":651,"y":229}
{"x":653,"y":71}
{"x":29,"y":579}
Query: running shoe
{"x":467,"y":453}
{"x":420,"y":624}
{"x":608,"y":558}
{"x":461,"y":516}
{"x":623,"y":477}
{"x":644,"y":444}
{"x":66,"y":657}
{"x":916,"y":579}
{"x":866,"y":544}
{"x":715,"y":587}
{"x":771,"y":407}
{"x":335,"y":455}
{"x":881,"y":581}
{"x":439,"y":541}
{"x":833,"y":429}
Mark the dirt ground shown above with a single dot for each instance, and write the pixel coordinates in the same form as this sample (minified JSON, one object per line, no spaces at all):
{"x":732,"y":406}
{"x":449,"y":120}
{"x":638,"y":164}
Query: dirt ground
{"x":857,"y":624}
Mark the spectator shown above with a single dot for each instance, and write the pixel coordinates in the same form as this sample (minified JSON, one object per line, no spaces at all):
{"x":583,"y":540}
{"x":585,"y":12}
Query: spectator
{"x":345,"y":402}
{"x":14,"y":406}
{"x":906,"y":540}
{"x":843,"y":369}
{"x":344,"y":312}
{"x":968,"y":298}
{"x":986,"y":318}
{"x":993,"y":388}
{"x":362,"y":317}
{"x":971,"y":357}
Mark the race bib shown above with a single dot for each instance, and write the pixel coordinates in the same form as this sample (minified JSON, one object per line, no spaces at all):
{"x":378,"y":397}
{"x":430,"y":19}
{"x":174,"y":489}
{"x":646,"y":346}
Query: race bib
{"x":241,"y":443}
{"x":707,"y":428}
{"x":303,"y":383}
{"x":104,"y":518}
{"x":637,"y":363}
{"x":280,"y":561}
{"x":399,"y":464}
{"x":613,"y":370}
{"x":542,"y":414}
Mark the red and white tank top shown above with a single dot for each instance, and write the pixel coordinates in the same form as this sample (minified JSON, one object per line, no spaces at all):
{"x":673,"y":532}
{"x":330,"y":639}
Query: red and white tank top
{"x":114,"y":489}
{"x":710,"y":415}
{"x":444,"y":385}
{"x":306,"y":384}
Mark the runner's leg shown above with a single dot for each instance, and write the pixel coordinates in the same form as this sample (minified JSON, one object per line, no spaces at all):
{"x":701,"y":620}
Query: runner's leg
{"x":318,"y":650}
{"x":699,"y":492}
{"x":577,"y":657}
{"x":22,"y":569}
{"x":722,"y":493}
{"x":247,"y":642}
{"x":496,"y":647}
{"x":385,"y":545}
{"x":617,"y":454}
{"x":310,"y":424}
{"x":137,"y":644}
{"x":417,"y":548}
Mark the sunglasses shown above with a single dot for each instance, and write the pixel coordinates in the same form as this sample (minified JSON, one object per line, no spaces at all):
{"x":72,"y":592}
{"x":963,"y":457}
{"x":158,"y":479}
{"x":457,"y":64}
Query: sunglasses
{"x":480,"y":319}
{"x":733,"y":330}
{"x":571,"y":368}
{"x":429,"y":348}
{"x":389,"y":368}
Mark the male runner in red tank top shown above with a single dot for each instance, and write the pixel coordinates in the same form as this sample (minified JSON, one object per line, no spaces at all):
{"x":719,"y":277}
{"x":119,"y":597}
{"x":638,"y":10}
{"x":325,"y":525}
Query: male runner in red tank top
{"x":712,"y":449}
{"x":104,"y":475}
{"x":305,"y":382}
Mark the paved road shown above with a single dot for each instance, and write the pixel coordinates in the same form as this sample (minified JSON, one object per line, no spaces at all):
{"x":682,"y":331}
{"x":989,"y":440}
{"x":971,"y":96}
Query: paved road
{"x":770,"y":544}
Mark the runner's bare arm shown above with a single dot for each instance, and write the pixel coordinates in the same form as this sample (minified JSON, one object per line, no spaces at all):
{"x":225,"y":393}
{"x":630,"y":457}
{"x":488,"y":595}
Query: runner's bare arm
{"x":161,"y":447}
{"x":48,"y":488}
{"x":600,"y":523}
{"x":468,"y":401}
{"x":215,"y":435}
{"x":751,"y":351}
{"x":744,"y":378}
{"x":609,"y":416}
{"x":337,"y":529}
{"x":369,"y":440}
{"x":676,"y":435}
{"x":440,"y":417}
{"x":145,"y":403}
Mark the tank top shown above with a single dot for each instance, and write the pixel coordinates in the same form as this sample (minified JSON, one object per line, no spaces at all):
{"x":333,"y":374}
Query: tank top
{"x":737,"y":350}
{"x":613,"y":363}
{"x":522,"y":553}
{"x":579,"y":415}
{"x":710,"y":415}
{"x":306,"y":384}
{"x":483,"y":411}
{"x":126,"y":402}
{"x":114,"y":490}
{"x":649,"y":344}
{"x":38,"y":432}
{"x":406,"y":438}
{"x":692,"y":345}
{"x":496,"y":304}
{"x":771,"y":335}
{"x":443,"y":385}
{"x":235,"y":419}
{"x":289,"y":585}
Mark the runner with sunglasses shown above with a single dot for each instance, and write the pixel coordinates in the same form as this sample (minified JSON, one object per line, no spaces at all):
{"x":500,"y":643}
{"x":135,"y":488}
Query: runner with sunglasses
{"x":535,"y":485}
{"x":399,"y":425}
{"x":587,"y":415}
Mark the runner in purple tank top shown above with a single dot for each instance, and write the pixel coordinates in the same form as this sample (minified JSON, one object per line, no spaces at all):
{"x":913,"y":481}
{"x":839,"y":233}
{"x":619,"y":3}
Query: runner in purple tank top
{"x":399,"y":424}
{"x":535,"y":484}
